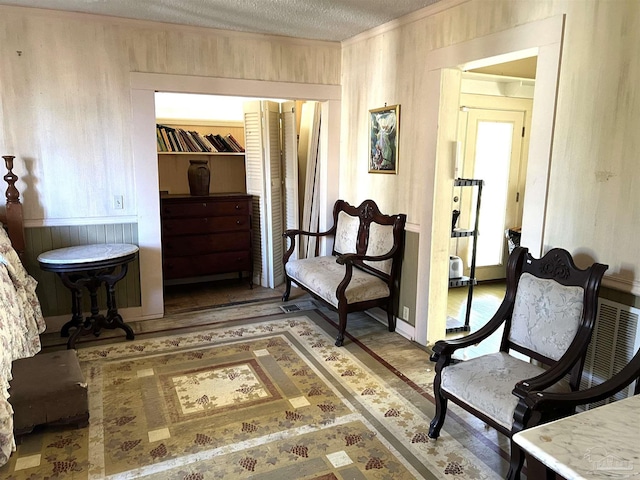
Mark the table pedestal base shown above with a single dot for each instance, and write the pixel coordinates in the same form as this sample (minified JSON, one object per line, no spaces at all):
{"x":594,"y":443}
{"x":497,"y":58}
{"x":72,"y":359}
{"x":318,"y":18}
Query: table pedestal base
{"x":93,"y":324}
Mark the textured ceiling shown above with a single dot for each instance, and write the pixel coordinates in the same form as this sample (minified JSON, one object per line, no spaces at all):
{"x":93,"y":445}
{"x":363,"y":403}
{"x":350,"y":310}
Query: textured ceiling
{"x":333,"y":20}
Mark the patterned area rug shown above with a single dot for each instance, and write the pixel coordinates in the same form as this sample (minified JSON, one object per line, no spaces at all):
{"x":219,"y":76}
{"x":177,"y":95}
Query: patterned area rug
{"x":273,"y":399}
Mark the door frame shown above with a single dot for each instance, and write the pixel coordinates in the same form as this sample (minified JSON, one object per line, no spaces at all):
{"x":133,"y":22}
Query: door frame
{"x":542,"y":38}
{"x":145,"y":158}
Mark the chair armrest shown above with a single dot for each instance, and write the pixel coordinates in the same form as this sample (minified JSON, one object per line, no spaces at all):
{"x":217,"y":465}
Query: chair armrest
{"x":553,"y":374}
{"x":446,"y":348}
{"x":547,"y":401}
{"x":351,"y":258}
{"x":291,"y":234}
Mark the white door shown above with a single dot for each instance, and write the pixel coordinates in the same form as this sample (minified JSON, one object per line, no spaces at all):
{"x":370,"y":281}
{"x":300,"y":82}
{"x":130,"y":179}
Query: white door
{"x":493,"y":151}
{"x":264,"y":182}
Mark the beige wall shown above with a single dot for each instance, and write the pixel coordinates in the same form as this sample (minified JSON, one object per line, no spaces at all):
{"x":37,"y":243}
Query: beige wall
{"x":65,"y":97}
{"x":592,"y":210}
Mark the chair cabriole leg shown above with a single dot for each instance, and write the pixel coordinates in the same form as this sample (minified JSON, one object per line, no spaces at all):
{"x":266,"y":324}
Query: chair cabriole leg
{"x":441,"y":410}
{"x":287,"y":290}
{"x":391,"y":319}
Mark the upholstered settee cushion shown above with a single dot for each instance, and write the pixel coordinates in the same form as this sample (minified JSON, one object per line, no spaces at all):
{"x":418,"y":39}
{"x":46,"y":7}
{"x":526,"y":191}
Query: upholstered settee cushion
{"x":380,"y":243}
{"x":322,"y":275}
{"x":346,"y":237}
{"x":546,"y":315}
{"x":486,"y":383}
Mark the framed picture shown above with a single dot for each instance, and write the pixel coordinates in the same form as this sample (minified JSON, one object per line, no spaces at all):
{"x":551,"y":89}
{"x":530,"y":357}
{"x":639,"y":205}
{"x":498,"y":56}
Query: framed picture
{"x":384,"y":128}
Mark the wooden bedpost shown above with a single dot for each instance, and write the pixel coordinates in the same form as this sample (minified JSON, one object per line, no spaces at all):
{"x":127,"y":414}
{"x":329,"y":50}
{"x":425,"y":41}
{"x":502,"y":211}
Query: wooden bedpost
{"x":14,"y":218}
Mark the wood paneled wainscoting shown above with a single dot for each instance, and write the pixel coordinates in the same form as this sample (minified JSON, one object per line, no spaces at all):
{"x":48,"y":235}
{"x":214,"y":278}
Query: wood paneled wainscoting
{"x":54,"y":296}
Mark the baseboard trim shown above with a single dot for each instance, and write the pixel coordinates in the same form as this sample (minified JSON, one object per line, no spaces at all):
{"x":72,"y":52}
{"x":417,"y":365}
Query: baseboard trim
{"x":402,"y":328}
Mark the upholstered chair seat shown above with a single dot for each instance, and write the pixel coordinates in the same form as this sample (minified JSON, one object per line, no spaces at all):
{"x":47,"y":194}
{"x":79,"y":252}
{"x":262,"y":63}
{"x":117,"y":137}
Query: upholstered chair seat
{"x":489,"y":381}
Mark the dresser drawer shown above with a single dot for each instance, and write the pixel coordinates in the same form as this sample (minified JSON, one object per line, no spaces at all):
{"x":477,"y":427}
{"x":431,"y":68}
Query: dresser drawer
{"x":187,"y":226}
{"x":205,"y":208}
{"x":202,"y":244}
{"x":214,"y":263}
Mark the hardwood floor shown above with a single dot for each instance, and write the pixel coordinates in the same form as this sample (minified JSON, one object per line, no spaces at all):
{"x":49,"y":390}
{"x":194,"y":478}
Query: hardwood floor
{"x":486,"y":300}
{"x":198,"y":296}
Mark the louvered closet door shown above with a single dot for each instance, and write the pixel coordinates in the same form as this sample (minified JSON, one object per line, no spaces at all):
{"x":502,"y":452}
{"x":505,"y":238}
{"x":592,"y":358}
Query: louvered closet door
{"x":264,"y":182}
{"x":274,"y":186}
{"x":255,"y":184}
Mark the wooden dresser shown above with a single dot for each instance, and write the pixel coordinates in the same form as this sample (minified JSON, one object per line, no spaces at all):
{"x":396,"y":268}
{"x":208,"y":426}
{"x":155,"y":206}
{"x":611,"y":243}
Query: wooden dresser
{"x":206,"y":235}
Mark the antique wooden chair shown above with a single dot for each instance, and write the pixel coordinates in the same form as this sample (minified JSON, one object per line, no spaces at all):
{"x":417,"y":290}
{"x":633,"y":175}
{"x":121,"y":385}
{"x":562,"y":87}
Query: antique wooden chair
{"x":548,"y":313}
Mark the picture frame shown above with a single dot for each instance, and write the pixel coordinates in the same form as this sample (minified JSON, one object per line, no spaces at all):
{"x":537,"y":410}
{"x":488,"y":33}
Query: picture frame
{"x":384,"y":131}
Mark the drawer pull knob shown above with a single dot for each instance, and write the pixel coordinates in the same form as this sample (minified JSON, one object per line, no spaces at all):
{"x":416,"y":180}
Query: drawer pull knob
{"x":237,"y":207}
{"x":204,"y":205}
{"x":237,"y":222}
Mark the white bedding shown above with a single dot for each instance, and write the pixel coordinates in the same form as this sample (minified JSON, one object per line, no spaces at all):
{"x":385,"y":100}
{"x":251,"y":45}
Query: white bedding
{"x":21,"y":322}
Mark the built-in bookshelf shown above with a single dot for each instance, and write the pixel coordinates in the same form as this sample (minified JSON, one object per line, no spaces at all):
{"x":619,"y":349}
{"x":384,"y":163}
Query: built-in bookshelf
{"x":228,"y":174}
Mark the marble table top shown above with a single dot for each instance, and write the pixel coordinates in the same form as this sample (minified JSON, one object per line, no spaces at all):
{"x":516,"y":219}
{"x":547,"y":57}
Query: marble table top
{"x":599,"y":443}
{"x":86,"y":253}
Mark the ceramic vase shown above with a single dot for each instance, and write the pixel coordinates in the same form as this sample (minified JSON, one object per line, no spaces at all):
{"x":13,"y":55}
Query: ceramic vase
{"x":199,"y":177}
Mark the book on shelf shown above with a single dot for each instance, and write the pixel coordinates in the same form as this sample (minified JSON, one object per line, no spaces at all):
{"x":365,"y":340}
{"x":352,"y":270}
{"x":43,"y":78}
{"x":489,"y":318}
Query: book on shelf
{"x":190,"y":145}
{"x":220,"y":147}
{"x":206,"y":144}
{"x":172,"y":139}
{"x":161,"y":145}
{"x":197,"y":140}
{"x":223,"y":141}
{"x":165,"y":138}
{"x":234,"y":143}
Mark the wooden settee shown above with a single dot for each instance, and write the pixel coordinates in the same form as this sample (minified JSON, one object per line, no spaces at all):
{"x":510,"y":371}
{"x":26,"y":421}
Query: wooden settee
{"x":363,"y":269}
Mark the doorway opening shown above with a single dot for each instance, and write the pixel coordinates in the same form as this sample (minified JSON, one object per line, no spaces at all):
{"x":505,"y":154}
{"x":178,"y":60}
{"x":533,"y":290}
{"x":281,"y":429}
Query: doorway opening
{"x":495,"y":111}
{"x":214,"y":130}
{"x":442,"y":86}
{"x":144,"y":140}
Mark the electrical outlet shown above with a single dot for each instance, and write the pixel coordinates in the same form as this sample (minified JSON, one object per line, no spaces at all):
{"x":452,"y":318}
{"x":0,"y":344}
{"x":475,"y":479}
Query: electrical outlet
{"x":117,"y":202}
{"x":405,"y":313}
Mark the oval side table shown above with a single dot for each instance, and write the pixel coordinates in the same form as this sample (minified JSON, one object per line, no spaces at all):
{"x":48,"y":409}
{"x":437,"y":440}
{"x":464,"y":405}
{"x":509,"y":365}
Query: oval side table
{"x":90,"y":266}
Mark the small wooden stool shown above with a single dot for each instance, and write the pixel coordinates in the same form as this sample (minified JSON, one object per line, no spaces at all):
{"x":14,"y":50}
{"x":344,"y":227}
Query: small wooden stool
{"x":48,"y":389}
